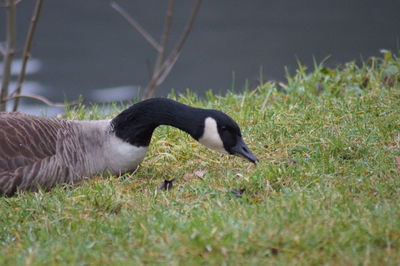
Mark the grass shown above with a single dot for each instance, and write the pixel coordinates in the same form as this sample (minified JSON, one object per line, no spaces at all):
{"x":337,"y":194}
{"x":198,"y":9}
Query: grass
{"x":326,"y":190}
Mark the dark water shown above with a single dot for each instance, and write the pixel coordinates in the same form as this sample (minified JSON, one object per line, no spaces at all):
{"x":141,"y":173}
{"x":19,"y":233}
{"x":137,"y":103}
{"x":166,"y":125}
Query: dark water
{"x":83,"y":46}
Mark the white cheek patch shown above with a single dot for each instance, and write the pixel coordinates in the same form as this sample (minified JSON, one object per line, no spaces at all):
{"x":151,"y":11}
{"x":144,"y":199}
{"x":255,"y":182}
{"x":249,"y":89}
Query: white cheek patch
{"x":211,"y":137}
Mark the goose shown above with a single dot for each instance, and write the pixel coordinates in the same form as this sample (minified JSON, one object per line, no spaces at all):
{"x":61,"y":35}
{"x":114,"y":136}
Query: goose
{"x":42,"y":152}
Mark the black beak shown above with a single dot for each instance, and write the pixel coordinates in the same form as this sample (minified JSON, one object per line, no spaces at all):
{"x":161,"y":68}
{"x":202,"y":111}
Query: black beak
{"x":241,"y":150}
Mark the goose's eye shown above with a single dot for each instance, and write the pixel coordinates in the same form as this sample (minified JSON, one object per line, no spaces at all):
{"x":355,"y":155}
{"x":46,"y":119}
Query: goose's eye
{"x":226,"y":129}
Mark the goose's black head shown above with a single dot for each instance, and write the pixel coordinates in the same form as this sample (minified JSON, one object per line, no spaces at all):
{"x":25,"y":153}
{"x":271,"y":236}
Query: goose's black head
{"x":221,"y":133}
{"x":212,"y":128}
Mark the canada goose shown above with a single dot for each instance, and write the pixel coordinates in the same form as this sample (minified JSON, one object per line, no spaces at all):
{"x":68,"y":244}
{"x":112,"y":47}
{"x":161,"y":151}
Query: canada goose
{"x":43,"y":152}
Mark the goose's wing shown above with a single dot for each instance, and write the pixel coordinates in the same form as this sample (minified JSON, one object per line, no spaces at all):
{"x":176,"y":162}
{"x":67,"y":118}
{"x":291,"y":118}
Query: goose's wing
{"x":44,"y":173}
{"x":28,"y":152}
{"x":26,"y":139}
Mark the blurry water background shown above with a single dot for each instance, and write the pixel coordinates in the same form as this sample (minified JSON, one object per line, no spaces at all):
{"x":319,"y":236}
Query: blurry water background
{"x":86,"y":48}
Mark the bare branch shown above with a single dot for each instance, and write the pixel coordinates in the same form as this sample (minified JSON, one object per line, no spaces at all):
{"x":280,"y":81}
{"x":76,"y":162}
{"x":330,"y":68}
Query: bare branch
{"x":38,"y":98}
{"x":173,"y":56}
{"x":5,"y":3}
{"x":160,"y":76}
{"x":165,"y":35}
{"x":137,"y":26}
{"x":27,"y":49}
{"x":186,"y":32}
{"x":8,"y":57}
{"x":168,"y":69}
{"x":2,"y":50}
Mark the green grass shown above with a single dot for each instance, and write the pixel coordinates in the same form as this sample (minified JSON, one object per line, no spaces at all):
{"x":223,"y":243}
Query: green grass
{"x":326,"y":190}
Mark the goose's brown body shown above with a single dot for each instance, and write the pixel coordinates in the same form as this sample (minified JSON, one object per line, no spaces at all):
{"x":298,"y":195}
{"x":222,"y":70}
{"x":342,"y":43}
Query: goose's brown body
{"x":42,"y":152}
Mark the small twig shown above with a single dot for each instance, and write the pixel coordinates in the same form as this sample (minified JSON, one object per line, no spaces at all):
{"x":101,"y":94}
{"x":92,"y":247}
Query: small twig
{"x":167,"y":70}
{"x":165,"y":35}
{"x":137,"y":26}
{"x":187,"y":30}
{"x":27,"y":49}
{"x":9,"y":54}
{"x":38,"y":98}
{"x":164,"y":46}
{"x":2,"y":50}
{"x":7,"y":1}
{"x":173,"y":56}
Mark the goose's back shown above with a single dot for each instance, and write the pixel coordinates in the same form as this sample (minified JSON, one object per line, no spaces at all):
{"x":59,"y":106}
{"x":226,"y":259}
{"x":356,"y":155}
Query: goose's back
{"x":25,"y":139}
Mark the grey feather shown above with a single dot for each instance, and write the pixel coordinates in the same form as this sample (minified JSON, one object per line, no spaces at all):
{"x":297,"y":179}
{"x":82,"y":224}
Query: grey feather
{"x":38,"y":152}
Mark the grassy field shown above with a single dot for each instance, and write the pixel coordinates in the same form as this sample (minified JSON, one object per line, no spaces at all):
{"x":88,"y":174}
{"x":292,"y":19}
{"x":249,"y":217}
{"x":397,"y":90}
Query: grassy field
{"x":326,"y":191}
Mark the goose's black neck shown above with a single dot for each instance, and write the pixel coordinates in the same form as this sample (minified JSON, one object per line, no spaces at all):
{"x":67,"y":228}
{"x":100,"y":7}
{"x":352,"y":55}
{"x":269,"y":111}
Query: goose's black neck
{"x":137,"y":123}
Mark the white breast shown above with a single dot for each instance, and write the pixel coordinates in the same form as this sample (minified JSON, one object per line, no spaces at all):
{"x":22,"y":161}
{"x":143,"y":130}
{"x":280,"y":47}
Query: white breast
{"x":113,"y":153}
{"x":121,"y":156}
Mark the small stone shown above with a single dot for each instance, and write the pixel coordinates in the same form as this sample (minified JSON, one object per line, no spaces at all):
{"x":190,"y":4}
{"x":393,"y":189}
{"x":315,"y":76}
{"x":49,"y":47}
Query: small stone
{"x":238,"y":192}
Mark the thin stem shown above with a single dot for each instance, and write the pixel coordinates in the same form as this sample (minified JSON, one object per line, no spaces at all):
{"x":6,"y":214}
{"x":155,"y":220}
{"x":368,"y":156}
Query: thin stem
{"x":186,"y":31}
{"x":27,"y":49}
{"x":38,"y":98}
{"x":166,"y":71}
{"x":8,"y":58}
{"x":7,"y":5}
{"x":165,"y":35}
{"x":173,"y":56}
{"x":2,"y":50}
{"x":136,"y":25}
